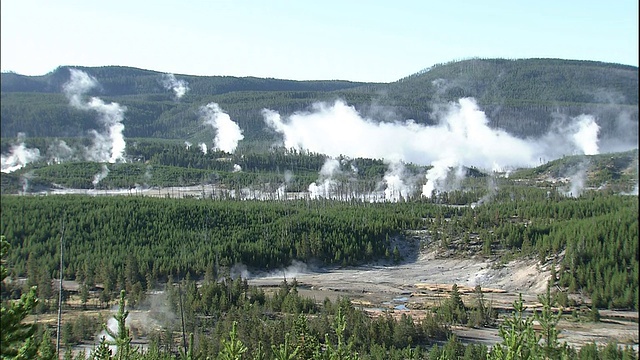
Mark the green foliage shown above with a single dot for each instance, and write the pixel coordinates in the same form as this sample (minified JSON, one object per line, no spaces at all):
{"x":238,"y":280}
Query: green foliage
{"x":453,"y":309}
{"x":509,"y":90}
{"x":548,"y":322}
{"x":232,"y":348}
{"x":598,"y":233}
{"x":258,"y":234}
{"x":121,"y":337}
{"x":285,"y":351}
{"x":16,"y":337}
{"x":609,"y":168}
{"x":102,"y":351}
{"x":46,"y":349}
{"x":483,"y":313}
{"x":519,"y":340}
{"x":342,"y":350}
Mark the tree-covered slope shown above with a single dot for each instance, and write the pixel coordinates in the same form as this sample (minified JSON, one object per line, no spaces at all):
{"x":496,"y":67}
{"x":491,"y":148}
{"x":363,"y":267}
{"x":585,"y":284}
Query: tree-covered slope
{"x":120,"y":81}
{"x":524,"y":97}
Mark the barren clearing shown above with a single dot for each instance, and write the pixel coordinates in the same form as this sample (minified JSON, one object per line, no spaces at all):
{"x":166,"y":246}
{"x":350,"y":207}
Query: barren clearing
{"x":412,"y":286}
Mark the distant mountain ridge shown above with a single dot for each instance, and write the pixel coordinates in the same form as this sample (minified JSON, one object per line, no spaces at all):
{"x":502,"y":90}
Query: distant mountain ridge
{"x":122,"y":80}
{"x":523,"y":96}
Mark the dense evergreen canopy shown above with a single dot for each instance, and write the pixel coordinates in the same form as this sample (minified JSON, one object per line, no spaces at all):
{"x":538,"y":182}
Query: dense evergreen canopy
{"x":518,"y":95}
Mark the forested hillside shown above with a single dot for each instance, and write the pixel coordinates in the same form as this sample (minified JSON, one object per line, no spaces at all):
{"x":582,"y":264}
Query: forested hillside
{"x":159,"y":164}
{"x":520,"y":96}
{"x":107,"y":235}
{"x":150,"y":206}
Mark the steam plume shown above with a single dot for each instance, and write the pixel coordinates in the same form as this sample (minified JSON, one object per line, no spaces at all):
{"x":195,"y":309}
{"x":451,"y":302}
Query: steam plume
{"x":25,"y":178}
{"x":326,"y":184}
{"x":443,"y":176}
{"x":296,"y":268}
{"x":228,"y":133}
{"x":397,"y":185}
{"x":179,"y":87}
{"x":239,"y":271}
{"x":339,"y":129}
{"x":461,"y":138}
{"x":577,"y":181}
{"x":585,"y":135}
{"x":19,"y":156}
{"x":112,"y":325}
{"x":570,"y":136}
{"x":59,"y":152}
{"x":147,"y":176}
{"x":100,"y":176}
{"x":492,"y":188}
{"x":108,"y":145}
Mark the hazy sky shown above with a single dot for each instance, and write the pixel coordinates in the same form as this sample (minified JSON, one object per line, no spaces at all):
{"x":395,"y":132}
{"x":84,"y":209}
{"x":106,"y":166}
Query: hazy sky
{"x":358,"y":40}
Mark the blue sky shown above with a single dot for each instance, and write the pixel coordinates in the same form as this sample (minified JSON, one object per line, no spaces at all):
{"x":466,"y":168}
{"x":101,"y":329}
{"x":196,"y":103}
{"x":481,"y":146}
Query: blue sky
{"x":357,"y":40}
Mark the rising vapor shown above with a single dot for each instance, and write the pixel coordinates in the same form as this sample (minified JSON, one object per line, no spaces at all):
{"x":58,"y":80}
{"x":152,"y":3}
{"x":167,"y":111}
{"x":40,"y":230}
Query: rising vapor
{"x":108,"y":144}
{"x":25,"y":179}
{"x":577,"y":181}
{"x":179,"y":87}
{"x":398,"y":185}
{"x":325,"y":186}
{"x":228,"y":133}
{"x":104,"y":171}
{"x":19,"y":156}
{"x":585,"y":134}
{"x":59,"y":152}
{"x":461,"y":138}
{"x":203,"y":148}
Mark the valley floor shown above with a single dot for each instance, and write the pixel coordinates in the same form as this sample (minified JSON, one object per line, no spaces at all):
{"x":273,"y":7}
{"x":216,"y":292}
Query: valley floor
{"x":411,"y":287}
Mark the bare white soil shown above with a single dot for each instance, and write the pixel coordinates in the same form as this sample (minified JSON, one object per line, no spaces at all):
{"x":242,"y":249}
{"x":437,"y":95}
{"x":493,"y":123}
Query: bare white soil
{"x":413,"y":286}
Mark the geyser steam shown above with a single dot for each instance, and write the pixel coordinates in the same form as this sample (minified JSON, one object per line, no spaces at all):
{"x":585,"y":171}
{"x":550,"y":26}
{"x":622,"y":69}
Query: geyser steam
{"x":179,"y":87}
{"x":104,"y":171}
{"x":19,"y":156}
{"x":228,"y":133}
{"x":326,"y":184}
{"x":108,"y":144}
{"x":585,"y":134}
{"x":461,"y":138}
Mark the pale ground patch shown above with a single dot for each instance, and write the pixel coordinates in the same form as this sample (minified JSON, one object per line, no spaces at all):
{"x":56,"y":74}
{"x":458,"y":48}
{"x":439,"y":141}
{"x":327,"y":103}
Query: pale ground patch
{"x":402,"y":288}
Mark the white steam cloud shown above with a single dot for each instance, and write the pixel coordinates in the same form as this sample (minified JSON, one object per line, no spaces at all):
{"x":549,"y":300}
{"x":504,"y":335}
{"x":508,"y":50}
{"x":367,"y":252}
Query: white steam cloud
{"x":179,"y":87}
{"x":59,"y":152}
{"x":146,"y":178}
{"x":326,"y":185}
{"x":585,"y":134}
{"x":228,"y":133}
{"x":398,"y":185}
{"x":463,"y":135}
{"x":290,"y":272}
{"x":577,"y":181}
{"x":100,"y":176}
{"x":19,"y":156}
{"x":24,"y":179}
{"x":461,"y":138}
{"x":445,"y":175}
{"x":108,"y":144}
